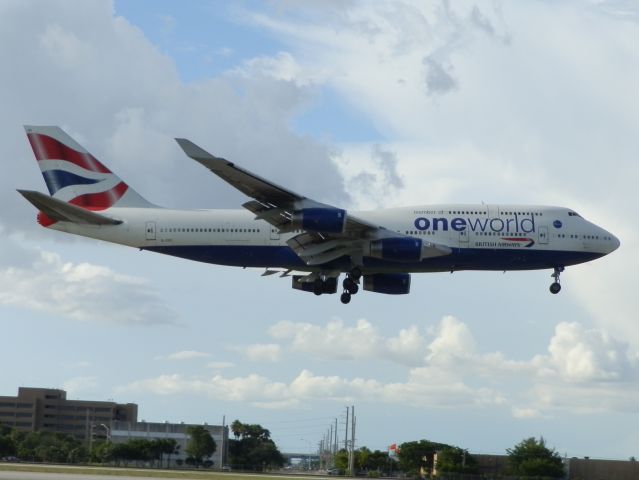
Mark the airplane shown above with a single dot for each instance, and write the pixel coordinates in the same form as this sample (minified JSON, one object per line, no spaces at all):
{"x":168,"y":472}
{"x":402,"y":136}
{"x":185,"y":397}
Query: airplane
{"x":312,"y":242}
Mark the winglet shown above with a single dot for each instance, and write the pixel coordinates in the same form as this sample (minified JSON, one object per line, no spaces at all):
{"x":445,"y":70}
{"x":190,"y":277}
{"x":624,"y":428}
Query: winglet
{"x":199,"y":154}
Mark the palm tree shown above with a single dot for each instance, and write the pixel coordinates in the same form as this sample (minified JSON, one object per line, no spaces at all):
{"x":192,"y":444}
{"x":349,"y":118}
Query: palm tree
{"x":238,"y":428}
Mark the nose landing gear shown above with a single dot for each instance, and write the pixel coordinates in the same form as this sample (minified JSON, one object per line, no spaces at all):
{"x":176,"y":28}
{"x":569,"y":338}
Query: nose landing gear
{"x":555,"y":287}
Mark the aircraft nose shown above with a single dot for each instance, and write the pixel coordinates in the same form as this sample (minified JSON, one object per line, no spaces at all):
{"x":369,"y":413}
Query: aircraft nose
{"x":613,"y":243}
{"x":616,"y":243}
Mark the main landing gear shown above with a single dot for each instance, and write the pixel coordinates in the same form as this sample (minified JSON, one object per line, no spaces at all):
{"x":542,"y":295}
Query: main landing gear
{"x":350,"y":285}
{"x":555,"y":287}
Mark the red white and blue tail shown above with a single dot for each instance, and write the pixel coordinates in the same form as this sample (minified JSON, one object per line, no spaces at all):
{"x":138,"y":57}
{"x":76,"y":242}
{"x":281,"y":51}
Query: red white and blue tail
{"x":75,"y":176}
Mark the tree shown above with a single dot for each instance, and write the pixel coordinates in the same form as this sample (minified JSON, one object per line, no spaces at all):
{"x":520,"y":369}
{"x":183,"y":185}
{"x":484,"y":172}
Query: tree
{"x":237,"y":428}
{"x":376,"y":461}
{"x":201,"y":445}
{"x":168,"y":446}
{"x":531,"y":457}
{"x":455,"y":460}
{"x":7,"y":446}
{"x":253,"y":448}
{"x":340,"y":460}
{"x":417,"y":457}
{"x":102,"y":452}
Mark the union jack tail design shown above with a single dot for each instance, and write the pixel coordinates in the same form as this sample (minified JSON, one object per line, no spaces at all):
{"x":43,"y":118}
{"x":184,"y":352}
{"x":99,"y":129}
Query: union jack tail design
{"x":75,"y":176}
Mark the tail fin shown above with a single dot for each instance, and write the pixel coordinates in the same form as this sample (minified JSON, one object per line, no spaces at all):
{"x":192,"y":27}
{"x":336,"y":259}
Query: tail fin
{"x":75,"y":176}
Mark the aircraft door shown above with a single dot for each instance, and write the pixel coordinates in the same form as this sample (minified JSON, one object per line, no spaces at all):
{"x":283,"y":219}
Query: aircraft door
{"x":463,"y":238}
{"x":543,"y":235}
{"x":492,"y":210}
{"x":150,"y":230}
{"x":275,"y":233}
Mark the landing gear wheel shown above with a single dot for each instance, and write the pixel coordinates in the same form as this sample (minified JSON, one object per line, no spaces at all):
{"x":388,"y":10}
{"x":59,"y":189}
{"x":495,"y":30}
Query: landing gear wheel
{"x":356,"y":273}
{"x":318,"y":286}
{"x":556,"y":287}
{"x":350,"y":286}
{"x":345,"y":298}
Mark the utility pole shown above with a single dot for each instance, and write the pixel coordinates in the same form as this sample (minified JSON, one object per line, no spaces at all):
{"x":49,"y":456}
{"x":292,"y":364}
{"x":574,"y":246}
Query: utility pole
{"x":331,"y":438}
{"x":335,"y":447}
{"x":346,"y":433}
{"x":351,"y":464}
{"x":223,"y":432}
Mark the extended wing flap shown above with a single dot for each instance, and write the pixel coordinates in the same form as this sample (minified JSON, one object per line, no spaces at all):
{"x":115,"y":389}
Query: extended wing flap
{"x":65,"y":212}
{"x":275,"y":216}
{"x":316,"y":250}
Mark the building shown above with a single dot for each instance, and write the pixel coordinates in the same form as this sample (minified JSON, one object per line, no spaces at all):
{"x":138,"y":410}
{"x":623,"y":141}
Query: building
{"x":495,"y":466}
{"x":48,"y":410}
{"x":124,"y":431}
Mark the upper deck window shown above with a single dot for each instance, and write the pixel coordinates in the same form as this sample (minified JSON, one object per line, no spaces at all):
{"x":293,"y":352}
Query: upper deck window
{"x":573,"y":214}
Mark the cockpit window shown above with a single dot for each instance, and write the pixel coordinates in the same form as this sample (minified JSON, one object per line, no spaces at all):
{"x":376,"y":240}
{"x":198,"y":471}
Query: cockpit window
{"x":573,"y":214}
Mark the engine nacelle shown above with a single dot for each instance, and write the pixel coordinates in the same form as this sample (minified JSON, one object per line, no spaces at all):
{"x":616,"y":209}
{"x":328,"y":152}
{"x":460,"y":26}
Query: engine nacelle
{"x":329,"y":220}
{"x":399,"y":249}
{"x":327,"y":286}
{"x":389,"y":283}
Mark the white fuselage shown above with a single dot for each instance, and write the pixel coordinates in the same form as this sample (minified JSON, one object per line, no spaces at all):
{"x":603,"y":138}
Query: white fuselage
{"x":482,"y":237}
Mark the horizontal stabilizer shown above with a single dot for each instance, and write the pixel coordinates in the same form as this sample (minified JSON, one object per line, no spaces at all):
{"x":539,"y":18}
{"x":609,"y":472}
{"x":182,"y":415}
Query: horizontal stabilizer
{"x":65,"y":212}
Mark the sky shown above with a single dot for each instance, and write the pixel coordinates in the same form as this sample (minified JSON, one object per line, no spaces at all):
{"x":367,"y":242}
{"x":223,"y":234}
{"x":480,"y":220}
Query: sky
{"x":359,"y":104}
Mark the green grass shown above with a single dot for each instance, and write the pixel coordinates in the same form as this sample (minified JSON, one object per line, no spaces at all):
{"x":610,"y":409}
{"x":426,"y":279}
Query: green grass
{"x":131,"y":472}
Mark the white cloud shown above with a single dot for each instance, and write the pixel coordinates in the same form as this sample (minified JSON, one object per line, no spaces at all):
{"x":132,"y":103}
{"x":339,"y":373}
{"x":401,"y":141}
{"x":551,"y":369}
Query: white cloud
{"x":220,"y":365}
{"x":83,"y":292}
{"x":78,"y":386}
{"x":281,"y":67}
{"x":333,"y":341}
{"x":421,"y":389}
{"x":525,"y":413}
{"x":586,"y":365}
{"x":587,"y":355}
{"x":360,"y":342}
{"x":585,"y":370}
{"x":450,"y":343}
{"x":453,"y":341}
{"x":65,"y":47}
{"x":187,"y":355}
{"x":262,"y":352}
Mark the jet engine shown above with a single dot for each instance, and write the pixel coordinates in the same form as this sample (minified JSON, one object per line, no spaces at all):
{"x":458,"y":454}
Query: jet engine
{"x":329,"y":220}
{"x":399,"y":249}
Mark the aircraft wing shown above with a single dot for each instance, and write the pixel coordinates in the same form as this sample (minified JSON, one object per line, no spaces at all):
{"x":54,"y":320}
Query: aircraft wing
{"x":281,"y":208}
{"x":272,"y":203}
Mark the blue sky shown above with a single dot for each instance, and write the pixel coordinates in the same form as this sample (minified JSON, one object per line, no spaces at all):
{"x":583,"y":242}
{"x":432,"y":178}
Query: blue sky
{"x":365,"y":105}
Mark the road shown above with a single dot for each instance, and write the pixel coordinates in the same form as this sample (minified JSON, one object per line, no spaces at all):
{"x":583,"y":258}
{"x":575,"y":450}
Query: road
{"x":4,"y":475}
{"x":117,"y":474}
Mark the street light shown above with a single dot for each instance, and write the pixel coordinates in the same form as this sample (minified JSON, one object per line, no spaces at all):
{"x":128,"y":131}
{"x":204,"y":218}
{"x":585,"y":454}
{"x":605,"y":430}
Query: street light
{"x":310,"y":452}
{"x":93,"y":427}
